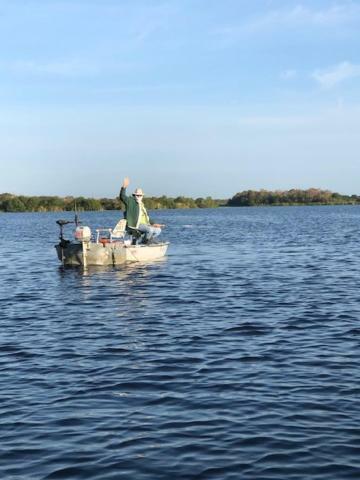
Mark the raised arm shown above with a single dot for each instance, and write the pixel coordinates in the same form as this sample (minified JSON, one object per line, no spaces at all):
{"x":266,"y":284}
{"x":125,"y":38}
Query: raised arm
{"x":123,"y":197}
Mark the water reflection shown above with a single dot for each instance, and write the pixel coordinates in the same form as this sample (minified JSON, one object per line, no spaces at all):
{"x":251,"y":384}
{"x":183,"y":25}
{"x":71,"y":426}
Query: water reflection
{"x":121,"y":271}
{"x":128,"y":281}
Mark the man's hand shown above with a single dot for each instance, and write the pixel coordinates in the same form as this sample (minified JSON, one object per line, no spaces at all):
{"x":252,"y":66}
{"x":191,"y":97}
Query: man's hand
{"x":158,"y":225}
{"x":126,"y":182}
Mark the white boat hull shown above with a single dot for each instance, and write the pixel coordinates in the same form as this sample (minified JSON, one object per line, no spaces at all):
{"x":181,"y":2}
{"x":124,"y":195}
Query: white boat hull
{"x":114,"y":253}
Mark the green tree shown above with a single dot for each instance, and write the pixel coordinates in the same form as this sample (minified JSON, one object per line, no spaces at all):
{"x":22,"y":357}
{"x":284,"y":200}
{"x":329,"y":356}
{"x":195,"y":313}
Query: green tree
{"x":13,"y":205}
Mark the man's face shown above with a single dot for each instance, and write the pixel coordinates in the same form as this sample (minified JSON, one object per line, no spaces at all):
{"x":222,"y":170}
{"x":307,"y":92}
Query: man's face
{"x":138,"y":198}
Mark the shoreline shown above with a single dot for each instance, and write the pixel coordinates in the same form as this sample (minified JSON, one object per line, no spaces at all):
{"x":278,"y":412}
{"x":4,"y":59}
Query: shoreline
{"x":195,"y":208}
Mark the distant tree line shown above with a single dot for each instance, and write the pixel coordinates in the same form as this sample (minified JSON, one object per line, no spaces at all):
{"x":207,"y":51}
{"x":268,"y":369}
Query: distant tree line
{"x":247,"y":198}
{"x":312,"y":196}
{"x":154,"y":203}
{"x":21,"y":203}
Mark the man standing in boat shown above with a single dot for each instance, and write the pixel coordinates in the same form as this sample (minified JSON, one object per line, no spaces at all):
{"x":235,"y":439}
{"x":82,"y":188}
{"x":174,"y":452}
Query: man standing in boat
{"x":136,"y":214}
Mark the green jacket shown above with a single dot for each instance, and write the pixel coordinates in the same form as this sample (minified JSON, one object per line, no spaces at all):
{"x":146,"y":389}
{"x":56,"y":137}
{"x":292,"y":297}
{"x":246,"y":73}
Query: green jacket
{"x":132,"y":212}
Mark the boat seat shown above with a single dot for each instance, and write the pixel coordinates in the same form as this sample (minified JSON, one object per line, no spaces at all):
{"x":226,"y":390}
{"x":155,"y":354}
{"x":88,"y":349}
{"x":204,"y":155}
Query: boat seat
{"x":119,"y":230}
{"x":111,"y":233}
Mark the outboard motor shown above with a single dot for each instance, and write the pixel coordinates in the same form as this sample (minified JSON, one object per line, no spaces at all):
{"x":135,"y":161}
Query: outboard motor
{"x":82,"y":234}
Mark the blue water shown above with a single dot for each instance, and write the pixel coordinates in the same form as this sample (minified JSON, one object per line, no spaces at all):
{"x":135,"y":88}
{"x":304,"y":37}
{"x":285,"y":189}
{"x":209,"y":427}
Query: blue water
{"x":236,"y":357}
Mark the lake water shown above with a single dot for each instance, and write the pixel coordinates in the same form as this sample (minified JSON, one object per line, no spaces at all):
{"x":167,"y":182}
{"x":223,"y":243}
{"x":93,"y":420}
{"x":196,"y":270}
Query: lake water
{"x":236,"y":357}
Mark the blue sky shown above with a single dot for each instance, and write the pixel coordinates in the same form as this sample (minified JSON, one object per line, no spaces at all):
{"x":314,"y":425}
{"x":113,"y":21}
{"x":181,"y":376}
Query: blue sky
{"x":193,"y":97}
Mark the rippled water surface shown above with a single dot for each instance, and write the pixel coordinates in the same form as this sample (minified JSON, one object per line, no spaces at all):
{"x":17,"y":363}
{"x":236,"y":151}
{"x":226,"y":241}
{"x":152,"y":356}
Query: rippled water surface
{"x":236,"y":357}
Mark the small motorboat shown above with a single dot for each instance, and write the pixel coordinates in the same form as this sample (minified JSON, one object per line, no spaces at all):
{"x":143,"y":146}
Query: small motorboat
{"x":110,"y":246}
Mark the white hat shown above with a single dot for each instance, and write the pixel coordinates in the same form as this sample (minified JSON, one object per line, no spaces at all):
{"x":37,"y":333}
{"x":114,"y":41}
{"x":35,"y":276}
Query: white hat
{"x":138,"y":191}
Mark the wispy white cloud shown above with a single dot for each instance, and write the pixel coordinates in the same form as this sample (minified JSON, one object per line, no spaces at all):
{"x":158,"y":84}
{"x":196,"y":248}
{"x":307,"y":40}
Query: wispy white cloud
{"x":288,"y":74}
{"x":148,"y":21}
{"x":300,"y":15}
{"x":297,"y":16}
{"x":336,"y":74}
